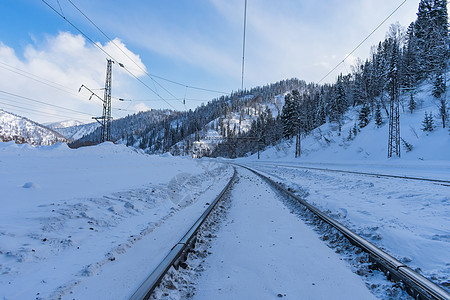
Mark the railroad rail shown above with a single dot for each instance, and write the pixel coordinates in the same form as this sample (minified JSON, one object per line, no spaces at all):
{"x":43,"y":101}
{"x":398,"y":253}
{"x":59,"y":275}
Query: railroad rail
{"x":440,"y":181}
{"x":179,"y":252}
{"x":416,"y":285}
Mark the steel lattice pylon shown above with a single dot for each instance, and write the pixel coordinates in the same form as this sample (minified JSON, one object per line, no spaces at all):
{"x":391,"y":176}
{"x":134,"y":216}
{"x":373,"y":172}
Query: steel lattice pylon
{"x":394,"y":118}
{"x":105,"y":119}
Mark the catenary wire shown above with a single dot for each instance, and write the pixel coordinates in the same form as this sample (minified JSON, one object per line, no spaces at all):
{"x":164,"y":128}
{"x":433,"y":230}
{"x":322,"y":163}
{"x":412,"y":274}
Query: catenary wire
{"x":105,"y":52}
{"x":143,"y":70}
{"x":365,"y":39}
{"x":45,"y":103}
{"x":120,"y":49}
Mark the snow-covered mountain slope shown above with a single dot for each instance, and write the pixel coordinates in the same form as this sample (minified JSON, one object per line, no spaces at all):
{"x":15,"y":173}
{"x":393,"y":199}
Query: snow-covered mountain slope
{"x":22,"y":130}
{"x":203,"y":142}
{"x":74,"y":130}
{"x":326,"y":144}
{"x":63,"y":124}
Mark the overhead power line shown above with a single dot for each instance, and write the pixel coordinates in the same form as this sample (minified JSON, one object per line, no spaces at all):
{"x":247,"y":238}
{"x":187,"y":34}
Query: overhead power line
{"x":105,"y":52}
{"x":42,"y":102}
{"x":362,"y":42}
{"x":142,"y":69}
{"x":42,"y":80}
{"x":243,"y":45}
{"x":27,"y":109}
{"x":121,"y":64}
{"x":120,"y":49}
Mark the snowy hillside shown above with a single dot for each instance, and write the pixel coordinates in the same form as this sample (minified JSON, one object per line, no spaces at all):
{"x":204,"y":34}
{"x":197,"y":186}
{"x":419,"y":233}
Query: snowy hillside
{"x":205,"y":141}
{"x":63,"y":124}
{"x":326,"y":144}
{"x":22,"y":130}
{"x":74,"y":130}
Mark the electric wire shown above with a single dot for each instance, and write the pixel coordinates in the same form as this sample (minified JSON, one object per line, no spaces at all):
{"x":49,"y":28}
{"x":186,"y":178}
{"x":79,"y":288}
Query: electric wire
{"x":243,"y":46}
{"x":105,"y":52}
{"x":120,"y":49}
{"x":37,"y":80}
{"x":51,"y":83}
{"x":365,"y":39}
{"x":27,"y":109}
{"x":42,"y":102}
{"x":151,"y":76}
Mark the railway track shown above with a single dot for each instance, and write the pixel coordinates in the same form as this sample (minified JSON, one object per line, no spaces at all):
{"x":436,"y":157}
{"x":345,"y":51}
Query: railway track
{"x":415,"y":284}
{"x":437,"y":181}
{"x":179,"y":251}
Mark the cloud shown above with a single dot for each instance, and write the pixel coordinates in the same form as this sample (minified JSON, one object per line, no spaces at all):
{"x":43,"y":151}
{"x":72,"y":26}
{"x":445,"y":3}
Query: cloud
{"x":306,"y":39}
{"x":140,"y":107}
{"x":118,"y":50}
{"x":62,"y":63}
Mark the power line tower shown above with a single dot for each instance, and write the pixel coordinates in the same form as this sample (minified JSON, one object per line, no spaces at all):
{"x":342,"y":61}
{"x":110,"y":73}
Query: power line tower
{"x":298,"y":139}
{"x":394,"y":111}
{"x":105,"y":119}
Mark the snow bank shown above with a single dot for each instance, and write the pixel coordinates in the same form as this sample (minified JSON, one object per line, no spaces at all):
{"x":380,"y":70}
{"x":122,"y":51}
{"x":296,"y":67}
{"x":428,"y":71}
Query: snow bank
{"x":68,"y":214}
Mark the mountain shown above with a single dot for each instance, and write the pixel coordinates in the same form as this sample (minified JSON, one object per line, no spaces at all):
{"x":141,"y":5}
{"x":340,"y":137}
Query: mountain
{"x":63,"y":124}
{"x":22,"y":130}
{"x":72,"y":129}
{"x":121,"y":129}
{"x":197,"y":132}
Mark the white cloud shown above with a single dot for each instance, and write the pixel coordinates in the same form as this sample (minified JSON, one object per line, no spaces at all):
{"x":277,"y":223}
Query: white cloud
{"x":67,"y":61}
{"x":140,"y":107}
{"x":306,"y":39}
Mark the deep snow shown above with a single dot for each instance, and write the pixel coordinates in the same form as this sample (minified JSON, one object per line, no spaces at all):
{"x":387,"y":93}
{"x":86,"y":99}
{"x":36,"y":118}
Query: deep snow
{"x":96,"y":218}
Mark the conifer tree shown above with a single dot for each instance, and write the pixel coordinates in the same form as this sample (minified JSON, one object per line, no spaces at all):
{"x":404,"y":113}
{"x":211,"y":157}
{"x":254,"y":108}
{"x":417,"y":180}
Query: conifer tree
{"x":289,"y":114}
{"x":427,"y":123}
{"x":411,"y":103}
{"x":338,"y":101}
{"x":364,"y":116}
{"x":378,"y":117}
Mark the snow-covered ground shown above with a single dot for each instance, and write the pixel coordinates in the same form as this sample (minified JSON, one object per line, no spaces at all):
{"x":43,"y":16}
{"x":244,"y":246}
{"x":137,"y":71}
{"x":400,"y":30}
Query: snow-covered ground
{"x":92,"y":223}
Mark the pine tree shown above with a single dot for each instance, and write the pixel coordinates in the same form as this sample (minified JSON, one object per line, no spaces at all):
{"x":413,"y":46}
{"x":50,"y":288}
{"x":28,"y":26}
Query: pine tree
{"x":411,"y":104}
{"x":431,"y":31}
{"x":427,"y":123}
{"x":410,"y":67}
{"x":355,"y":130}
{"x":339,"y":100}
{"x":378,"y":117}
{"x":364,"y":116}
{"x":289,"y":114}
{"x":438,"y":86}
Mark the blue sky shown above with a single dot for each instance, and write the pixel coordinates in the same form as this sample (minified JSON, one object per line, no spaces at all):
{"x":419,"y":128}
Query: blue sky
{"x":196,"y":42}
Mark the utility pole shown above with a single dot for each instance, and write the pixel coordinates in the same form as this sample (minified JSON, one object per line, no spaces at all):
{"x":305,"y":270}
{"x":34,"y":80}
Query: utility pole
{"x":105,"y":119}
{"x":258,"y":135}
{"x":166,"y":134}
{"x":394,"y":112}
{"x":297,"y":142}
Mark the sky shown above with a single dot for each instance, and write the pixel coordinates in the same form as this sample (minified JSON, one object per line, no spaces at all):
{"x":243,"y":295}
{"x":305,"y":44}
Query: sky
{"x":194,"y":43}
